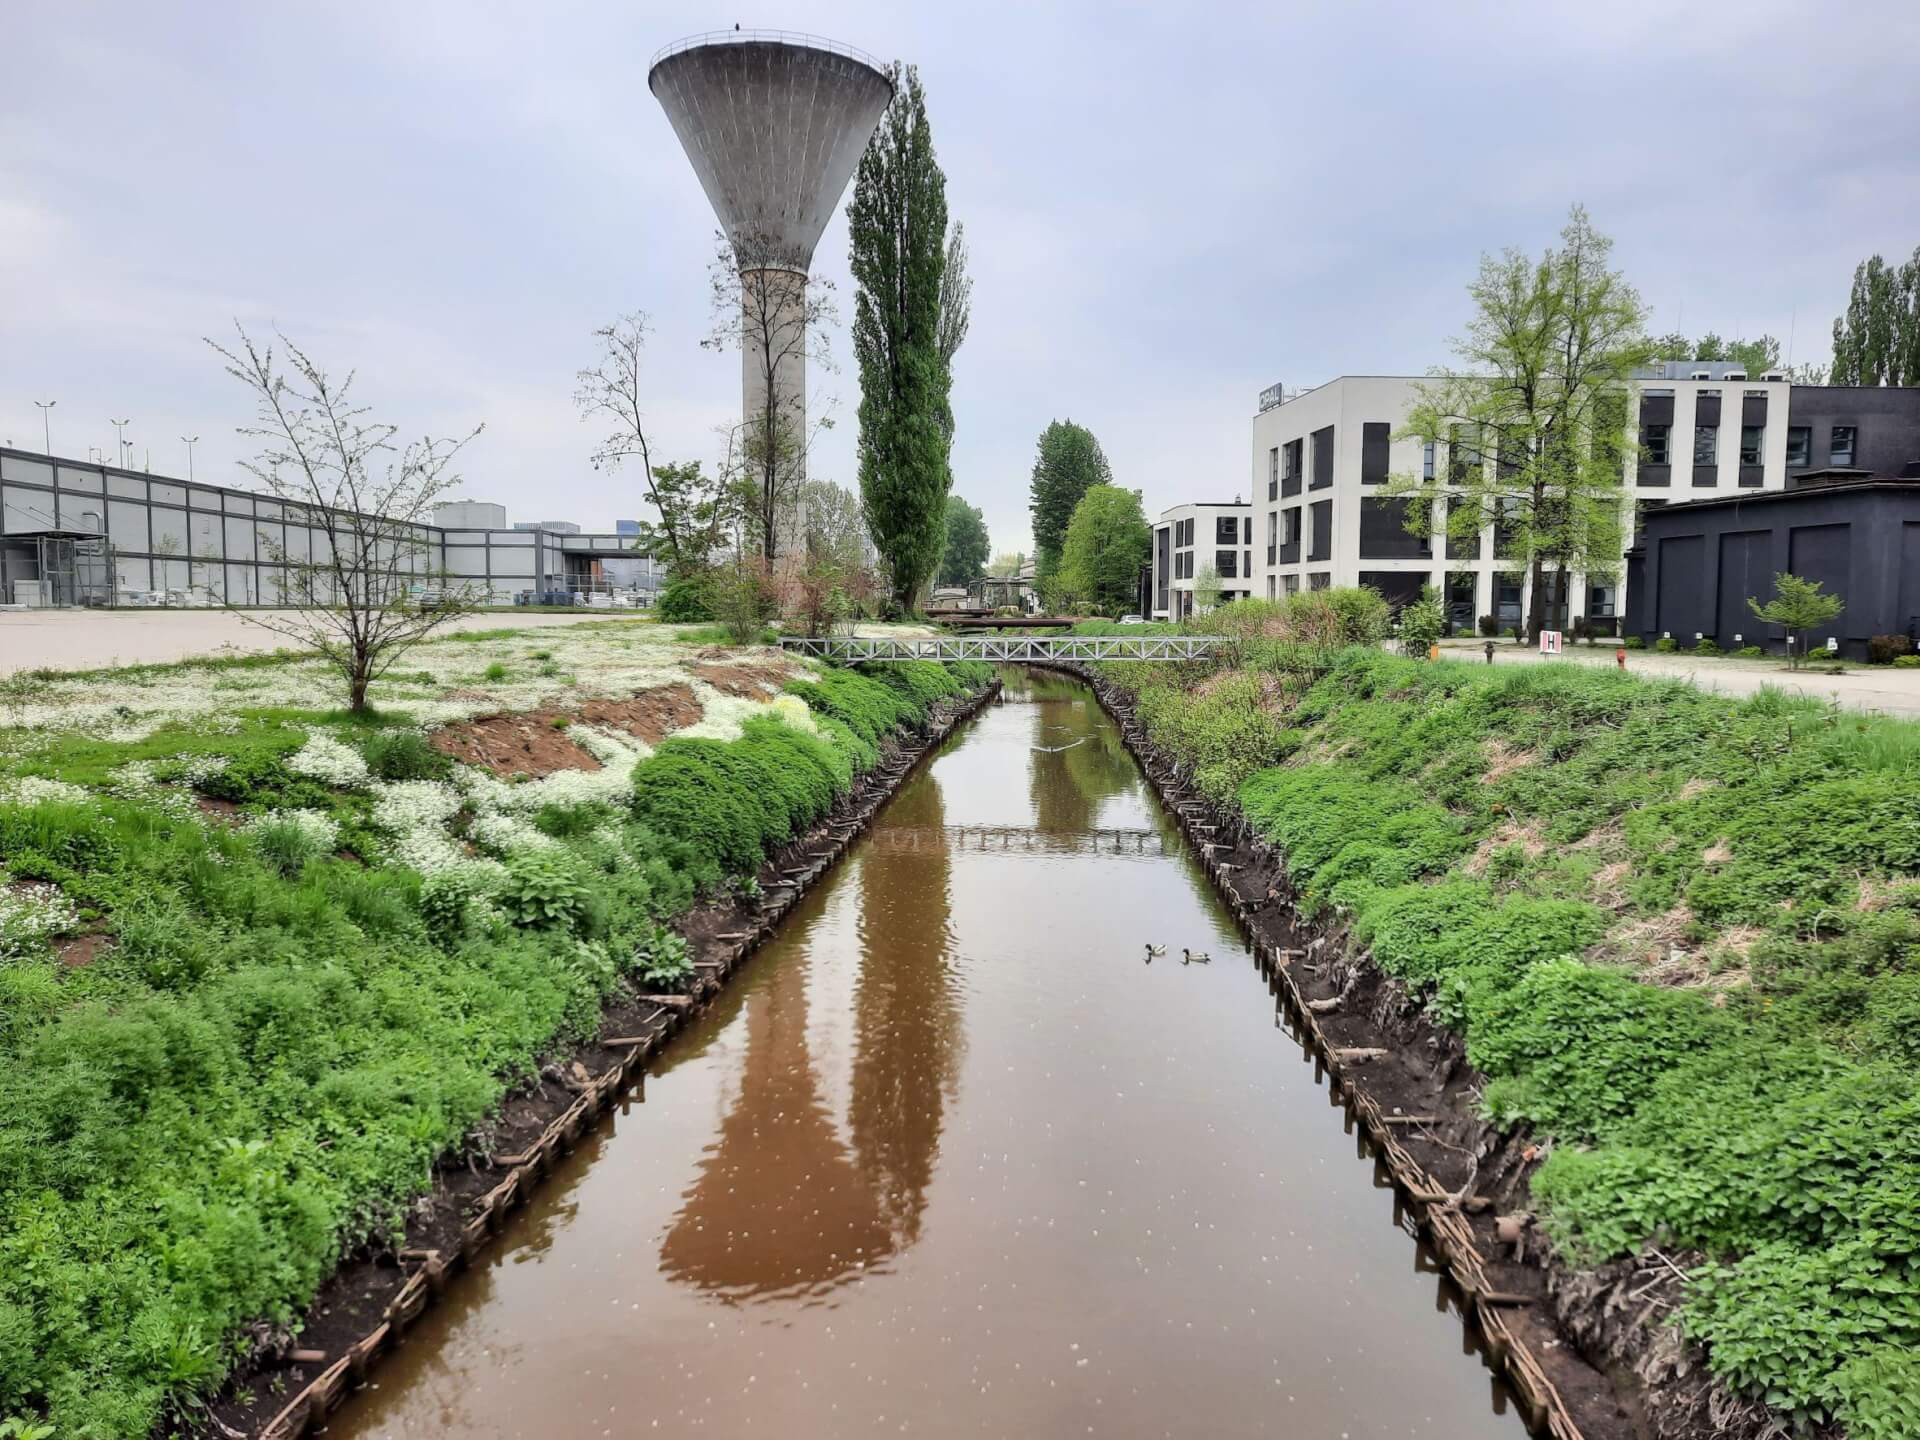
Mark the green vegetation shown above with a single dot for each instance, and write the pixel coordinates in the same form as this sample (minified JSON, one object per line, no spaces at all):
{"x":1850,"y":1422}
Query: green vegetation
{"x":1068,"y":464}
{"x":1798,"y":605}
{"x":1679,"y":934}
{"x":278,"y":1023}
{"x":1107,"y":543}
{"x":964,"y":560}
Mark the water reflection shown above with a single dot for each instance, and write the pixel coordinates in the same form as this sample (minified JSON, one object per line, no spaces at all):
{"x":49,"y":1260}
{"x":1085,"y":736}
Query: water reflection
{"x":1077,"y":762}
{"x":906,"y":1014}
{"x":778,"y":1207}
{"x":782,"y":1205}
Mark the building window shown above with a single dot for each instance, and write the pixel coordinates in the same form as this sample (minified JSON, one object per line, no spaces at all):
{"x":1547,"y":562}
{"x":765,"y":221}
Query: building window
{"x":1706,"y":444}
{"x":1226,"y":529}
{"x":1322,"y":459}
{"x":1799,"y":447}
{"x":1376,"y":437}
{"x":1840,"y":446}
{"x":1426,"y":460}
{"x":1246,"y":530}
{"x":1225,"y":564}
{"x":1291,"y":584}
{"x":1273,"y":473}
{"x":1752,"y":438}
{"x":1657,"y":444}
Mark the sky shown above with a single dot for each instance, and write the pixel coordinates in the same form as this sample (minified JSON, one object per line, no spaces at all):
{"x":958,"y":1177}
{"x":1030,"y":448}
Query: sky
{"x":1168,"y":207}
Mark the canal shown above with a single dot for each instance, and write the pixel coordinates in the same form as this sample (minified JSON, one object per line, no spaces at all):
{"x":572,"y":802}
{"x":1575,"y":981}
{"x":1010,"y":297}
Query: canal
{"x":949,"y":1157}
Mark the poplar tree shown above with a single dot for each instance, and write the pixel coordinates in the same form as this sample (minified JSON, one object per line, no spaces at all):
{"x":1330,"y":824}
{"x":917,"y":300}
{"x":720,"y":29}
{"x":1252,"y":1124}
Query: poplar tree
{"x":898,"y":224}
{"x":1069,"y":463}
{"x":1877,"y":342}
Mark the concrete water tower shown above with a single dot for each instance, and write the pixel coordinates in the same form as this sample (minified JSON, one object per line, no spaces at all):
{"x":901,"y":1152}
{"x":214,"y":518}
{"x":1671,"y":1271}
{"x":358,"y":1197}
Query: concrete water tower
{"x":774,"y":124}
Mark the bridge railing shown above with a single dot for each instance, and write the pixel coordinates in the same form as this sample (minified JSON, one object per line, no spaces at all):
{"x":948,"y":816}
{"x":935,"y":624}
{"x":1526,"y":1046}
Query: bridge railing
{"x":849,"y":650}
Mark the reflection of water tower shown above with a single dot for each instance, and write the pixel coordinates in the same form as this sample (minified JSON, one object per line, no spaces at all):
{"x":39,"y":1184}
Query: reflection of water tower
{"x":774,"y":124}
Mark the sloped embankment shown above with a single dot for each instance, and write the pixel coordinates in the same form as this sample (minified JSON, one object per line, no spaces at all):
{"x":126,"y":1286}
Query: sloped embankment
{"x":1655,"y":954}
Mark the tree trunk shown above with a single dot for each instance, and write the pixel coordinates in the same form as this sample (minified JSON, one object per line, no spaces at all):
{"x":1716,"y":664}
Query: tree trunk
{"x":1536,"y":600}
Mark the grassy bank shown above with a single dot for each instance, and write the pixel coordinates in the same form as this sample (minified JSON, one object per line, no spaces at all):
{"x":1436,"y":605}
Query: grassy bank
{"x":1678,"y":933}
{"x":260,"y":964}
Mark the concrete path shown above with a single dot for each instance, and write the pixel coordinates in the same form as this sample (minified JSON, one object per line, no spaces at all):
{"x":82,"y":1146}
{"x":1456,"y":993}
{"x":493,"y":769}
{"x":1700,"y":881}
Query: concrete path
{"x":1870,"y":688}
{"x":91,"y":639}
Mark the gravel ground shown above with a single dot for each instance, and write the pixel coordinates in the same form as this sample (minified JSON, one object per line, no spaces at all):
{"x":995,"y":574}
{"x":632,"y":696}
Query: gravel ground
{"x":1871,"y":688}
{"x":90,"y":639}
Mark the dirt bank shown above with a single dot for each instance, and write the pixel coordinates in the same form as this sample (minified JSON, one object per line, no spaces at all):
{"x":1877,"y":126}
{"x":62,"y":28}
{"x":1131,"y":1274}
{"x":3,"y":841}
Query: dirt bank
{"x":295,"y":1382}
{"x":1586,"y":1350}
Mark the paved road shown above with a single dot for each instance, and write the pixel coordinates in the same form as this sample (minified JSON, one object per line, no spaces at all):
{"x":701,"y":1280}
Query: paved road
{"x":90,"y":639}
{"x":1863,"y":687}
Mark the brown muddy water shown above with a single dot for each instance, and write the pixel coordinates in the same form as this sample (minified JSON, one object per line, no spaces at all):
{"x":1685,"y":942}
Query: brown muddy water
{"x":948,"y":1157}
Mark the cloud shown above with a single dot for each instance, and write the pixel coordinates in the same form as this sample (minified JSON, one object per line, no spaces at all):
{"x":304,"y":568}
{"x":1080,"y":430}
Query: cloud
{"x":1167,"y":209}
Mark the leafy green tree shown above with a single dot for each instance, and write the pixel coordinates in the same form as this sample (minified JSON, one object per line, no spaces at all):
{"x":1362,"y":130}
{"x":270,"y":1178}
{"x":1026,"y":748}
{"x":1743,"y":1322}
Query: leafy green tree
{"x":1206,"y":589}
{"x":1800,"y":605}
{"x":1007,"y":564}
{"x":1422,"y":623}
{"x":1877,"y":341}
{"x":1069,"y":463}
{"x":965,"y":558}
{"x":898,"y":223}
{"x":1534,"y":422}
{"x":1107,"y":542}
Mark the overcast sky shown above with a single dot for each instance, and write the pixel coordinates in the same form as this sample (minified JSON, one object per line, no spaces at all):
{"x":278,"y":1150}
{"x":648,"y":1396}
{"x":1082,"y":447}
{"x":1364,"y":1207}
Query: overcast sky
{"x":1169,"y":207}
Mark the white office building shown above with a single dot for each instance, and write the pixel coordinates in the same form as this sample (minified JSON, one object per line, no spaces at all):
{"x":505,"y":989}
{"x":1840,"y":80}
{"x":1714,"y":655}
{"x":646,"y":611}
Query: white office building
{"x":1189,"y":539}
{"x":1320,"y":457}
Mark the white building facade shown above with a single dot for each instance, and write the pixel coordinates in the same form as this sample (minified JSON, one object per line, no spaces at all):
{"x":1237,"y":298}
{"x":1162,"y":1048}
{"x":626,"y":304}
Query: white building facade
{"x":1321,"y":457}
{"x":1188,"y":539}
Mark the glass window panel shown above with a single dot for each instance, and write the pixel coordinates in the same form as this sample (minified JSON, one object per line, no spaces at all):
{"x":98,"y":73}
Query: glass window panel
{"x":238,"y":504}
{"x":1751,"y":443}
{"x":130,"y":487}
{"x":88,"y":482}
{"x":269,"y":509}
{"x":83,"y":512}
{"x":1706,"y":444}
{"x":170,"y":575}
{"x":513,"y":562}
{"x":25,"y":510}
{"x":132,"y":576}
{"x":203,"y":536}
{"x":204,"y":499}
{"x":467,"y":559}
{"x":239,"y":538}
{"x":32,"y":472}
{"x":1840,"y":451}
{"x":165,"y":494}
{"x":127,"y":525}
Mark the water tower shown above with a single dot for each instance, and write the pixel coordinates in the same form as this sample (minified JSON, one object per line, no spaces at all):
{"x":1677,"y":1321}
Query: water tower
{"x":774,"y":124}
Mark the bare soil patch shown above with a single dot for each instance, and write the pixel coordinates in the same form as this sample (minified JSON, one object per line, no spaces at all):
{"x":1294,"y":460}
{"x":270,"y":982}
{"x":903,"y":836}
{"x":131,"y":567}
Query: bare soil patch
{"x":82,"y":950}
{"x":535,"y":742}
{"x":745,"y":679}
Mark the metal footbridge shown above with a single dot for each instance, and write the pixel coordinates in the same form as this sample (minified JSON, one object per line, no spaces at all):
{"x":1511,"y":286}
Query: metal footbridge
{"x":851,"y":650}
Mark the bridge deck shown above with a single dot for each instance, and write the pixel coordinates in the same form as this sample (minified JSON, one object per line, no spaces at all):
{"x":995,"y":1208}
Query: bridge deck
{"x":851,"y":650}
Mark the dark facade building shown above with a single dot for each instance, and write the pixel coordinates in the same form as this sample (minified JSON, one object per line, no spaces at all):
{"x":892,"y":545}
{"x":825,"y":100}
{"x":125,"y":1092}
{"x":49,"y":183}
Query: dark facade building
{"x":1696,"y":565}
{"x":1875,"y":428}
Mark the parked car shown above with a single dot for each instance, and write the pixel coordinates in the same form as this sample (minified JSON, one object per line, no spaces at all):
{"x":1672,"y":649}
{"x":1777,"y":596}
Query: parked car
{"x":1133,"y":620}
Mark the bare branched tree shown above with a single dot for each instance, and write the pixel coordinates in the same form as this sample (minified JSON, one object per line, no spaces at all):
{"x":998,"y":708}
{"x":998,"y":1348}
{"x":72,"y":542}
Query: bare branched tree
{"x":777,"y":319}
{"x":365,"y":587}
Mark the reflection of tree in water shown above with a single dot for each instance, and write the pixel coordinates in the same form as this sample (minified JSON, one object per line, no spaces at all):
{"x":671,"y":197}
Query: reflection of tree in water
{"x":778,"y":1208}
{"x":906,"y":1014}
{"x":1077,"y":761}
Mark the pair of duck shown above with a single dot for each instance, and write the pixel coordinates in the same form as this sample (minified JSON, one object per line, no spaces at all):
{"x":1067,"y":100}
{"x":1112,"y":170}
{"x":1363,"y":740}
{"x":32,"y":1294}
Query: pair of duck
{"x":1187,"y":957}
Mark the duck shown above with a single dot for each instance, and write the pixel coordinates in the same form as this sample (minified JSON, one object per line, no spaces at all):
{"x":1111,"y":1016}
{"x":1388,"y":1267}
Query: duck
{"x":1190,"y":957}
{"x":1154,"y":951}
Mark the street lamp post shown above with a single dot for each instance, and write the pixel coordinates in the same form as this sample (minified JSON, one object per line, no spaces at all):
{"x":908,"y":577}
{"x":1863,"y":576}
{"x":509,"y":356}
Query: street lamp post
{"x":189,"y":441}
{"x":121,"y":426}
{"x":46,"y":423}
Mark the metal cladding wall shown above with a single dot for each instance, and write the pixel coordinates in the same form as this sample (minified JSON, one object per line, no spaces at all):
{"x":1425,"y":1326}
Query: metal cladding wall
{"x":1696,"y":566}
{"x":774,"y":129}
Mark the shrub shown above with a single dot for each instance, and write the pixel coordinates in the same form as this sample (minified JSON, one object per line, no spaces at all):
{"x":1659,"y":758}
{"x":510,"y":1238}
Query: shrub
{"x":662,"y":957}
{"x":1706,"y":646}
{"x":496,"y":671}
{"x":288,"y":841}
{"x":1489,"y":626}
{"x":1906,"y":662}
{"x":1422,"y":623}
{"x":685,"y":601}
{"x":1631,"y":642}
{"x":403,"y":755}
{"x":543,"y":890}
{"x":1666,"y":645}
{"x":1750,"y":652}
{"x":1885,"y":649}
{"x":262,"y":778}
{"x":1820,"y":654}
